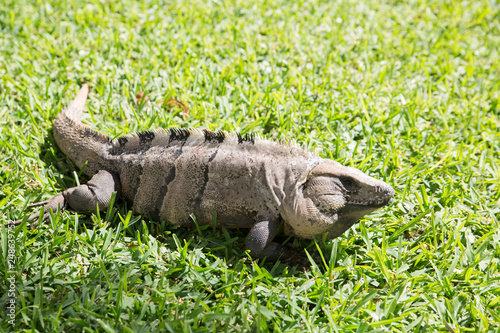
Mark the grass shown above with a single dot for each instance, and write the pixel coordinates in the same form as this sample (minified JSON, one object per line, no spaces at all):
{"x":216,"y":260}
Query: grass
{"x":408,"y":92}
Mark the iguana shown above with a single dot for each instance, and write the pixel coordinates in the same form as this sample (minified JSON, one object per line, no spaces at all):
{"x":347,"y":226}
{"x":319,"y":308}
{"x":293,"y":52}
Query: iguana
{"x":248,"y":181}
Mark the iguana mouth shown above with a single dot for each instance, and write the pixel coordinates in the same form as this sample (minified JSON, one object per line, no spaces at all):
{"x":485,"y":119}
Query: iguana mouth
{"x":367,"y":202}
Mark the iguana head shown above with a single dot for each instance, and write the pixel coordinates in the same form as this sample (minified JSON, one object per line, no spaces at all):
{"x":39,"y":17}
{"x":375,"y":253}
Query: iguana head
{"x":331,"y":199}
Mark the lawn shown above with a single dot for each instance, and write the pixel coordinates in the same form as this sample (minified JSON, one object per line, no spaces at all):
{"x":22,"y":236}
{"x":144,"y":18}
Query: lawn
{"x":405,"y":91}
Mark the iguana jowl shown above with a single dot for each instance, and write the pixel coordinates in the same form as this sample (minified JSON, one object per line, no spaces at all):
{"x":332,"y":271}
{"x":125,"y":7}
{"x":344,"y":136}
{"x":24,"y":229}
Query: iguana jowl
{"x":250,"y":182}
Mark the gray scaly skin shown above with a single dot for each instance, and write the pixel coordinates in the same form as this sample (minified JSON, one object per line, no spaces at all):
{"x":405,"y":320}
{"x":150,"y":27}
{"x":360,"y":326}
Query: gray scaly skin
{"x":250,"y":182}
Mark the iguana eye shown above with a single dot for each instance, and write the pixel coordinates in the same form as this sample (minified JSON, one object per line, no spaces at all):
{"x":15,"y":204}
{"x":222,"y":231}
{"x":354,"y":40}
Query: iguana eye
{"x":346,"y":181}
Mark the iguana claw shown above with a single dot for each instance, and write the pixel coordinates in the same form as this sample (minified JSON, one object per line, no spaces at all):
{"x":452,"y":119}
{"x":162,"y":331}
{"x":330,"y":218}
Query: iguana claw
{"x":48,"y":205}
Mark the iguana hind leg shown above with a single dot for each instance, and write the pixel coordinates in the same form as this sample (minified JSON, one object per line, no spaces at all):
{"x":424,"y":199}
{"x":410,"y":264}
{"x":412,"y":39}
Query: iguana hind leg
{"x":87,"y":197}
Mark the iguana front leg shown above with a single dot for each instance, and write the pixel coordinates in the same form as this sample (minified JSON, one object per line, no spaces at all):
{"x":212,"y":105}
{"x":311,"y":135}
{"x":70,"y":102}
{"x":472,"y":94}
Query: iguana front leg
{"x":259,"y":240}
{"x":88,"y":197}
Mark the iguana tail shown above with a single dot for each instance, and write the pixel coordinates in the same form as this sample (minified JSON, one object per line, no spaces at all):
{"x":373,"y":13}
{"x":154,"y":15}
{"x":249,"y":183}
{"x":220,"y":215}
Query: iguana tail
{"x":78,"y":141}
{"x":74,"y":110}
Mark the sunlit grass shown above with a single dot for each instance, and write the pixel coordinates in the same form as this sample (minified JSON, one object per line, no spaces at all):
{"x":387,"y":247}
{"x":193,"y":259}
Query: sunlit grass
{"x":406,"y":92}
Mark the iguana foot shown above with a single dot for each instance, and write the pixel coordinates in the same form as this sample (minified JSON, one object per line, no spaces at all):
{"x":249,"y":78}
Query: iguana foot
{"x":96,"y":194}
{"x":48,"y":205}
